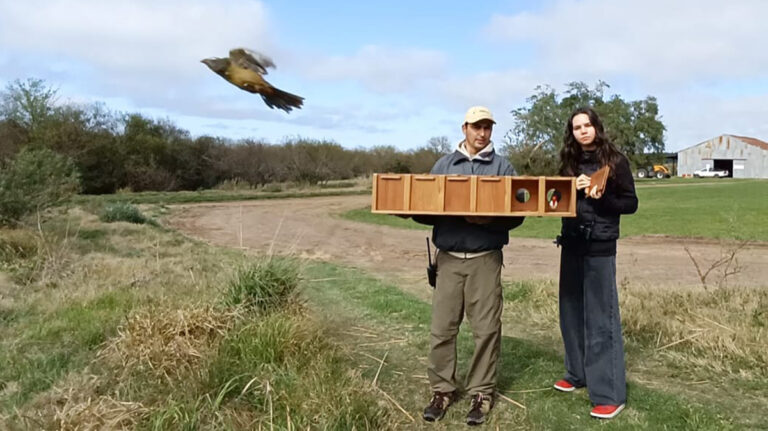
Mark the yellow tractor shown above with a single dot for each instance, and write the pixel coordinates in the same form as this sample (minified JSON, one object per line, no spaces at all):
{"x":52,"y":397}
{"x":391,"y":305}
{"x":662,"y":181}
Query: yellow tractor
{"x":655,"y":171}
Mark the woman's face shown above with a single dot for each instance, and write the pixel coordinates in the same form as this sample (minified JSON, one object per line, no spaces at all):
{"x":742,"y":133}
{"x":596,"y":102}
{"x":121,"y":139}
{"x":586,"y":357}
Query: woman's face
{"x":584,"y":131}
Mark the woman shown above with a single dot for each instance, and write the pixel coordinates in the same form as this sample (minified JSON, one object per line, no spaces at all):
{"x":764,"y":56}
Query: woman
{"x":589,"y":306}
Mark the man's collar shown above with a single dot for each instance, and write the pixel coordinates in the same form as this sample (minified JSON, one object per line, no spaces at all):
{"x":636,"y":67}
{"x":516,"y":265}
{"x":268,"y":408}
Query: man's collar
{"x":485,"y":154}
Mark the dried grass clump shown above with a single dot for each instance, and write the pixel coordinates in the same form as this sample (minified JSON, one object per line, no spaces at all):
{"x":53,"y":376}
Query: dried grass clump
{"x":102,"y":413}
{"x":79,"y":403}
{"x":168,"y":342}
{"x":724,"y":331}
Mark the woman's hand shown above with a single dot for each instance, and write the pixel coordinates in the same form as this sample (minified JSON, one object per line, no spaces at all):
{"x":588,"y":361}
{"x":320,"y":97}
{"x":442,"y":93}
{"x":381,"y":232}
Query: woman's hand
{"x":582,"y":182}
{"x":594,"y":193}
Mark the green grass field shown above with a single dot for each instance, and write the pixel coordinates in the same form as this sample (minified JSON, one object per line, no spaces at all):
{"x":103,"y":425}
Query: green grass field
{"x":722,"y":209}
{"x":135,"y":326}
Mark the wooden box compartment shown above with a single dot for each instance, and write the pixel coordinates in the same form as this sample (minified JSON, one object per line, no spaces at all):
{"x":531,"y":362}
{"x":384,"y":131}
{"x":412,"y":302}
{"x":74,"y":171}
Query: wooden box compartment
{"x":427,"y":193}
{"x":492,"y":195}
{"x":389,"y":191}
{"x":560,"y":196}
{"x":525,"y":195}
{"x":459,"y":194}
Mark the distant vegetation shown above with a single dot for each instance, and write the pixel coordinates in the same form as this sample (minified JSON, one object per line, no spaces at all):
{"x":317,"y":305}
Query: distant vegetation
{"x":114,"y":150}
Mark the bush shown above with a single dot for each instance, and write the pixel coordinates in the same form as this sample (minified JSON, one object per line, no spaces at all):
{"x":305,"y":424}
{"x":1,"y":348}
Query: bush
{"x":16,"y":245}
{"x":272,"y":188}
{"x":265,"y":285}
{"x":35,"y":180}
{"x":234,"y":184}
{"x":122,"y":211}
{"x":338,"y":185}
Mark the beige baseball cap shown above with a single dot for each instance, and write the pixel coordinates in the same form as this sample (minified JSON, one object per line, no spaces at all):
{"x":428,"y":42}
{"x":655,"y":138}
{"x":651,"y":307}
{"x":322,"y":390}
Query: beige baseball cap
{"x":477,"y":113}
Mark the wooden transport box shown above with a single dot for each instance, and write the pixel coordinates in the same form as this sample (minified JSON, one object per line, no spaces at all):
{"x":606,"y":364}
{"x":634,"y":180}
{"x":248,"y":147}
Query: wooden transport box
{"x":477,"y":195}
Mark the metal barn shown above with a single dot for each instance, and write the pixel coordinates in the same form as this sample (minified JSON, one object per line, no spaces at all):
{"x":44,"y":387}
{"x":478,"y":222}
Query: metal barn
{"x":743,"y":157}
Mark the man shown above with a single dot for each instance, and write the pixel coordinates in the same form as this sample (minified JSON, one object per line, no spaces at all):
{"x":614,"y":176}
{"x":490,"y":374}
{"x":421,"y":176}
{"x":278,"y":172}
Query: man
{"x":469,"y":264}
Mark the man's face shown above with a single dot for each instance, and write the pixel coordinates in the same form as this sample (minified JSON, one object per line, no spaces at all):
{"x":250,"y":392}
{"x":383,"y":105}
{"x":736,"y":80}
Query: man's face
{"x":477,"y":135}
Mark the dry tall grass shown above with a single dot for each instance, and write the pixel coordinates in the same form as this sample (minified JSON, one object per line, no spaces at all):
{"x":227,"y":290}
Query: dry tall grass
{"x":721,"y":332}
{"x":167,"y":362}
{"x":167,"y":341}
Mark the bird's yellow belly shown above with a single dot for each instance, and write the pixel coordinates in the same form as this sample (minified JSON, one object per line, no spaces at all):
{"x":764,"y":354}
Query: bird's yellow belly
{"x":245,"y":78}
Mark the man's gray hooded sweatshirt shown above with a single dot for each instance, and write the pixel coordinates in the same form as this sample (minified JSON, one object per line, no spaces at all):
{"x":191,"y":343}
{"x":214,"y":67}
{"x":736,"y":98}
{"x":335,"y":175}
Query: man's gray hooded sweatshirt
{"x":454,"y":233}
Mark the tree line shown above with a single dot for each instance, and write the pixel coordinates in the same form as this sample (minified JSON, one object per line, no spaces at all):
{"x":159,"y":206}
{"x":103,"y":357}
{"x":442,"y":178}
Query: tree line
{"x":110,"y":151}
{"x":113,"y":151}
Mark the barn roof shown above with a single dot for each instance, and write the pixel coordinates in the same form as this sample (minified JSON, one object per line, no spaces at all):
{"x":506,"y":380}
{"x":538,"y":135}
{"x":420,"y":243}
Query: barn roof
{"x":747,"y":140}
{"x":753,"y":141}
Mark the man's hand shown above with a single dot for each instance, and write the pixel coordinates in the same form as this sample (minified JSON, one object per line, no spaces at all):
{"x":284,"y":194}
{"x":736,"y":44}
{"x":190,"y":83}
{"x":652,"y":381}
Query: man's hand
{"x":478,"y":219}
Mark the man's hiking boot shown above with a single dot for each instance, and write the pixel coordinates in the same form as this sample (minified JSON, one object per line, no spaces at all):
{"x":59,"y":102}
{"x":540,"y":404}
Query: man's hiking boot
{"x":438,"y":405}
{"x":479,"y":408}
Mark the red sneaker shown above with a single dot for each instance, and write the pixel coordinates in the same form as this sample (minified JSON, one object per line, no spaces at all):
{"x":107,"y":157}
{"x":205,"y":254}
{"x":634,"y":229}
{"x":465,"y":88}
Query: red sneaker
{"x":606,"y":411}
{"x":564,"y":386}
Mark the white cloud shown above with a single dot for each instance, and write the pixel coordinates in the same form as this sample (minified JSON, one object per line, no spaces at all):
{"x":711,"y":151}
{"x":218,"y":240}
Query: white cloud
{"x":489,"y":88}
{"x":137,"y":36}
{"x":380,"y":69}
{"x":146,"y":50}
{"x":655,"y":40}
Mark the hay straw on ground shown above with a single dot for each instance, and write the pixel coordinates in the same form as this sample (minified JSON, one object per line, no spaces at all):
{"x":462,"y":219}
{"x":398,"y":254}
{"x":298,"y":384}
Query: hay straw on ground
{"x":166,"y":341}
{"x":79,"y":404}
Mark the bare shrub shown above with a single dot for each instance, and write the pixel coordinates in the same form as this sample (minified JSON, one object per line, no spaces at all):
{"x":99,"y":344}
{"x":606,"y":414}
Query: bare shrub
{"x":723,"y":267}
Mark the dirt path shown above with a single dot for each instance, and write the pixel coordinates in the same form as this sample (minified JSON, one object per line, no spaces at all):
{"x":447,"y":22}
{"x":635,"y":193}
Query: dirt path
{"x":309,"y":228}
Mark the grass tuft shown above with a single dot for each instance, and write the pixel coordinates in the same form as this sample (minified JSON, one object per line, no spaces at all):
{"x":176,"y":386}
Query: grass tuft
{"x":122,"y":211}
{"x":264,"y":285}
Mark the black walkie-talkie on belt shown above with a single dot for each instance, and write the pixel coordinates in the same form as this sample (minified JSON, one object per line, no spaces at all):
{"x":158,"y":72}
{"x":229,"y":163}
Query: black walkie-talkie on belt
{"x":431,"y":268}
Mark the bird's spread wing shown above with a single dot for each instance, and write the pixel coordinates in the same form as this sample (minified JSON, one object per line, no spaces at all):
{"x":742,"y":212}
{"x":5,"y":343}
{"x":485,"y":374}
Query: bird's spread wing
{"x":253,"y":60}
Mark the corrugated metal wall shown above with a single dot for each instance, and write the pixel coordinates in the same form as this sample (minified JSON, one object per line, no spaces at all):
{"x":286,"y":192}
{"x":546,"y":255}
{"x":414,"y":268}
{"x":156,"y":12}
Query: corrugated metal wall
{"x":749,"y":161}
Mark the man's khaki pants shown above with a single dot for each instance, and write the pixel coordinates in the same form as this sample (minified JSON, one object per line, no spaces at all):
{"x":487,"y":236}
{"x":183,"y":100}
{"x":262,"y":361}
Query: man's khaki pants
{"x":472,"y":286}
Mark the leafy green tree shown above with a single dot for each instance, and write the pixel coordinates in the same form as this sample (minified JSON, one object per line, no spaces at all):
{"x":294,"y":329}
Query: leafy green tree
{"x":34,"y":180}
{"x":30,"y":104}
{"x":534,"y":142}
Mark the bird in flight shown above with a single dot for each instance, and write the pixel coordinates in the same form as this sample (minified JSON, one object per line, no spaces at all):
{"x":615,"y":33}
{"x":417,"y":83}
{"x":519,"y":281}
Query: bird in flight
{"x":245,"y":69}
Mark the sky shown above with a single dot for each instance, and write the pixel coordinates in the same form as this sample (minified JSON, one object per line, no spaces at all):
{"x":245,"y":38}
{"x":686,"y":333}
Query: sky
{"x":397,"y":72}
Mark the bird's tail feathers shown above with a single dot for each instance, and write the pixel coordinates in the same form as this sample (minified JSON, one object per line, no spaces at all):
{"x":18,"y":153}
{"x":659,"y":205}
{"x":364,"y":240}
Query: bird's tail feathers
{"x":283,"y":100}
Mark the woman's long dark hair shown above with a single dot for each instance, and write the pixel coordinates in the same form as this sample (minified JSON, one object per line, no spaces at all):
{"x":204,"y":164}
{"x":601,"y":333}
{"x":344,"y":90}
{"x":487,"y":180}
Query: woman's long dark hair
{"x":570,"y":154}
